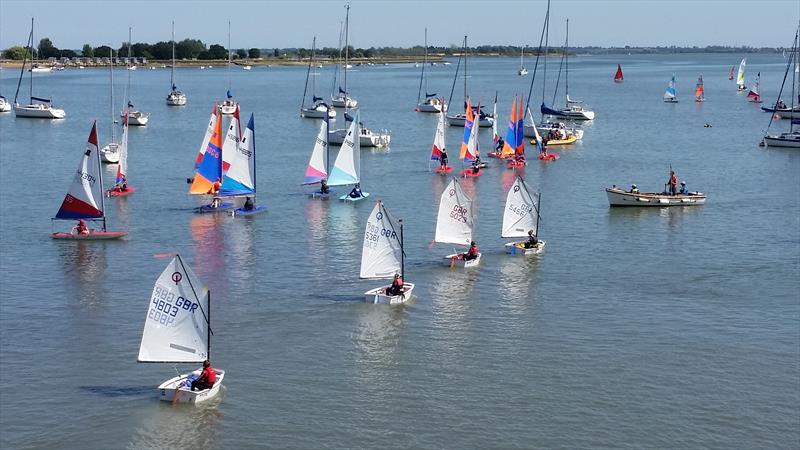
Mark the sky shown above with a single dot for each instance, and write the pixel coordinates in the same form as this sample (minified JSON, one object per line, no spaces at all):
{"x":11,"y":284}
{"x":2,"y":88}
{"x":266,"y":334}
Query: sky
{"x":286,"y":24}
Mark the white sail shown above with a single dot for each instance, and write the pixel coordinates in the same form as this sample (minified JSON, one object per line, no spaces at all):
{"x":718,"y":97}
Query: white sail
{"x":473,"y":149}
{"x":122,"y":168}
{"x":496,"y":136}
{"x":231,"y":141}
{"x":240,"y":179}
{"x":454,"y":222}
{"x":521,"y":211}
{"x":381,"y":256}
{"x":347,"y":167}
{"x":317,"y":165}
{"x":439,"y":137}
{"x":670,"y":93}
{"x":176,"y":327}
{"x":209,"y":131}
{"x":740,"y":75}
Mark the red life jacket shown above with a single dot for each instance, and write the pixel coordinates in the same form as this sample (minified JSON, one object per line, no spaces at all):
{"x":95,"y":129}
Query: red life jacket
{"x":473,"y":250}
{"x":209,"y":375}
{"x":398,"y":283}
{"x":674,"y":180}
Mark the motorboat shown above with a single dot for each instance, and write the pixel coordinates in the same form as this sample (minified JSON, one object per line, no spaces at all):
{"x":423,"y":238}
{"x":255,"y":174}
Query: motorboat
{"x":621,"y":197}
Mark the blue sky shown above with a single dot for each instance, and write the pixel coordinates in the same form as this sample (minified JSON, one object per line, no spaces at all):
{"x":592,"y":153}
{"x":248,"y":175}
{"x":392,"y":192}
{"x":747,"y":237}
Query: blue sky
{"x":266,"y":24}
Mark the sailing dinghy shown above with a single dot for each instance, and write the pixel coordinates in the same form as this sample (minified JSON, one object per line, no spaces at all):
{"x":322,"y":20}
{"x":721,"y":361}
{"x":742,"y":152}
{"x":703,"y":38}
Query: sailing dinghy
{"x":208,"y":171}
{"x":317,"y":170}
{"x":81,"y":202}
{"x":439,"y":147}
{"x":347,"y":167}
{"x":520,"y":218}
{"x":670,"y":95}
{"x":382,"y":255}
{"x":699,"y":92}
{"x":753,"y":96}
{"x":618,"y":78}
{"x":121,"y":187}
{"x":454,"y":223}
{"x":469,"y":152}
{"x":740,"y":86}
{"x":177,"y":329}
{"x":240,"y":178}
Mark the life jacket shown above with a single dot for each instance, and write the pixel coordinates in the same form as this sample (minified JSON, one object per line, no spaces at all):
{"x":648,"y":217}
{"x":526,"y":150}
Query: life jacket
{"x":674,"y":180}
{"x":209,"y":375}
{"x":473,"y":250}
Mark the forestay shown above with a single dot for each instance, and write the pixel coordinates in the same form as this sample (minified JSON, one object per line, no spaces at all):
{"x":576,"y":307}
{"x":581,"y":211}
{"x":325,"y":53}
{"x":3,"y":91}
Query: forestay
{"x":317,"y":168}
{"x":454,"y":222}
{"x":176,"y":328}
{"x":241,"y":175}
{"x":347,"y":167}
{"x":520,"y":215}
{"x":81,"y":199}
{"x":381,"y":256}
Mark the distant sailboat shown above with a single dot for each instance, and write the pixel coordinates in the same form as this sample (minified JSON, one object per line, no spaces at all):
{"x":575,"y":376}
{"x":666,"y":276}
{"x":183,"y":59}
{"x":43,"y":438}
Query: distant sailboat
{"x":42,"y":110}
{"x":454,"y":223}
{"x":84,"y":199}
{"x":431,"y":103}
{"x":618,"y":78}
{"x":572,"y":109}
{"x":699,"y":92}
{"x":175,"y":97}
{"x":521,"y":217}
{"x":459,"y":120}
{"x":135,"y":117}
{"x":318,"y":108}
{"x":740,"y":86}
{"x":343,"y":99}
{"x":110,"y":152}
{"x":791,"y":111}
{"x":177,"y":329}
{"x":730,"y":75}
{"x":382,"y":256}
{"x":121,"y":186}
{"x":670,"y":95}
{"x":228,"y":106}
{"x":439,"y":147}
{"x":754,"y":96}
{"x":522,"y":71}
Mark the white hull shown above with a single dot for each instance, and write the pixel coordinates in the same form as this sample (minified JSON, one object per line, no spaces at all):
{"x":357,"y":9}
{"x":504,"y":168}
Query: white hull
{"x":367,"y":138}
{"x":5,"y":106}
{"x":783,"y":140}
{"x":227,"y":107}
{"x":378,"y":295}
{"x":136,"y":118}
{"x":432,"y":106}
{"x":522,"y":72}
{"x":618,"y":197}
{"x":41,"y":70}
{"x":39,"y":111}
{"x":545,"y":128}
{"x":342,"y":102}
{"x":458,"y":121}
{"x":167,"y":391}
{"x":670,"y":100}
{"x":573,"y":114}
{"x":110,"y":153}
{"x":317,"y":112}
{"x":455,"y":260}
{"x":518,"y":248}
{"x":176,"y":99}
{"x":788,"y":113}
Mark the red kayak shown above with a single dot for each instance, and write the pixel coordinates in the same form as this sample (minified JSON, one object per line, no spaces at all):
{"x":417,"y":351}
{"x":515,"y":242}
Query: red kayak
{"x":470,"y":173}
{"x":548,"y":157}
{"x":114,"y":192}
{"x":447,"y":169}
{"x":91,"y":236}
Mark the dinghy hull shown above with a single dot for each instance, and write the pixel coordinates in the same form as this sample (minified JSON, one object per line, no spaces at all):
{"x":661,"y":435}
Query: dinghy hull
{"x":169,"y":391}
{"x":93,"y":236}
{"x":518,"y":248}
{"x":120,"y":193}
{"x":249,"y":212}
{"x":347,"y":198}
{"x":457,"y":260}
{"x":223,"y":206}
{"x":378,"y":295}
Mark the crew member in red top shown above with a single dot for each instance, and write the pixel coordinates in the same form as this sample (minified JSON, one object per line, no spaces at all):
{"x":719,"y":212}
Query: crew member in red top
{"x":207,"y":378}
{"x":397,"y":286}
{"x":472,"y":253}
{"x":673,"y":183}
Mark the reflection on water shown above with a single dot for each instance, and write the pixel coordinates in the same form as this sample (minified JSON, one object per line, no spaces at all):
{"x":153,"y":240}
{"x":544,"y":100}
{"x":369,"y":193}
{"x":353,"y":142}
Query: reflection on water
{"x":209,"y":246}
{"x":451,"y":296}
{"x":84,"y":264}
{"x":345,"y":232}
{"x":316,"y":212}
{"x":167,"y":426}
{"x":240,"y":234}
{"x":518,"y":279}
{"x":378,"y":336}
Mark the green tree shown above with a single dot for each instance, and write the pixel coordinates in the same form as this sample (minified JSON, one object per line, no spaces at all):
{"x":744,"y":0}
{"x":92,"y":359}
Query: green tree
{"x":16,"y":53}
{"x":217,"y":51}
{"x":242,"y":53}
{"x":254,"y":53}
{"x":88,"y":50}
{"x":47,"y":49}
{"x":103,"y":51}
{"x":189,"y":49}
{"x":276,"y":53}
{"x":142,"y":50}
{"x":161,"y":50}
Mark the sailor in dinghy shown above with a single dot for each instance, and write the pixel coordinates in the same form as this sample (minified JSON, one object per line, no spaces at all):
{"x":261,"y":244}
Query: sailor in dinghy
{"x":382,"y":256}
{"x":347,"y":167}
{"x":521,"y":219}
{"x":454,"y":225}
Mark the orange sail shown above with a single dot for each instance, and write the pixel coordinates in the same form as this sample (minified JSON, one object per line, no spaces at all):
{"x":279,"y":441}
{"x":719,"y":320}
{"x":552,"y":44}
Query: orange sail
{"x":468,"y":124}
{"x":209,"y":171}
{"x":510,"y":143}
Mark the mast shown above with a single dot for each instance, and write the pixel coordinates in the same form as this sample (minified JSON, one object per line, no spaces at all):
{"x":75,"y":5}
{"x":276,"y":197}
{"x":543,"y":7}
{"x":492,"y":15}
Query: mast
{"x":402,"y":253}
{"x":111,"y":101}
{"x":536,"y":64}
{"x":208,"y":328}
{"x":100,"y":179}
{"x":172,"y":72}
{"x":546,"y":50}
{"x":24,"y":60}
{"x":255,"y":167}
{"x":455,"y":78}
{"x":422,"y":75}
{"x":346,"y":53}
{"x":229,"y":54}
{"x":32,"y":56}
{"x":566,"y":65}
{"x":538,"y":205}
{"x":308,"y":74}
{"x":128,"y":99}
{"x":465,"y":69}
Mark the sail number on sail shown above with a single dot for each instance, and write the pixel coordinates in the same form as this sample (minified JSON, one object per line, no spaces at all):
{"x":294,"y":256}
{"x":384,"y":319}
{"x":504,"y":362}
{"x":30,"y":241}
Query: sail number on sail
{"x":459,"y":214}
{"x":520,"y":210}
{"x":163,"y":310}
{"x":373,"y":233}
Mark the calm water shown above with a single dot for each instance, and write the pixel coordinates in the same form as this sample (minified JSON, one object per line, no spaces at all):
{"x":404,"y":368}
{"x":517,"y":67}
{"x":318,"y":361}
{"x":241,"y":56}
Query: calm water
{"x":636,"y":328}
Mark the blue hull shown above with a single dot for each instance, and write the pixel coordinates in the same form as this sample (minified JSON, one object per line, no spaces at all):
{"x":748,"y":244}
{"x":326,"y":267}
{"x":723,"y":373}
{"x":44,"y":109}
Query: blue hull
{"x":249,"y":212}
{"x":224,"y":206}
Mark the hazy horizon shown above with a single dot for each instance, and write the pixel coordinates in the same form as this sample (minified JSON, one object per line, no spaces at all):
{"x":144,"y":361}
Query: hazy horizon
{"x":647,"y":23}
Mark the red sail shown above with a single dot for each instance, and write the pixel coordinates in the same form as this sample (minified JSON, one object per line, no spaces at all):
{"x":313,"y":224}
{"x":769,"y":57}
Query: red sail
{"x":618,"y":76}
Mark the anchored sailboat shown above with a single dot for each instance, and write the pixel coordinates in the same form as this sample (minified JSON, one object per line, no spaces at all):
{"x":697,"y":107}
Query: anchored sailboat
{"x":347,"y":167}
{"x":175,"y":97}
{"x":319,"y":108}
{"x":522,"y":71}
{"x":135,"y":117}
{"x":177,"y":329}
{"x":431,"y":103}
{"x":459,"y":120}
{"x":343,"y":99}
{"x":572,"y":109}
{"x":228,"y":106}
{"x":454,"y":224}
{"x":81,"y":202}
{"x":382,"y":256}
{"x":42,"y":110}
{"x":110,"y":152}
{"x":792,"y":112}
{"x":521,"y":219}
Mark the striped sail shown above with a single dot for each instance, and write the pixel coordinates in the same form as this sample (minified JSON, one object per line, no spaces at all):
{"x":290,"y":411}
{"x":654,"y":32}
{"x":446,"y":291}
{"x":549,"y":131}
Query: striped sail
{"x":521,"y":127}
{"x":381,"y":254}
{"x":510,"y":145}
{"x":122,"y":166}
{"x":473,"y":149}
{"x":240,"y":179}
{"x":740,"y":74}
{"x":207,"y":137}
{"x":210,"y":169}
{"x":438,"y":140}
{"x":317,"y":166}
{"x":81,"y":201}
{"x":468,"y":122}
{"x":699,"y":93}
{"x":347,"y":167}
{"x":176,"y":326}
{"x":454,"y":222}
{"x":670,"y":93}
